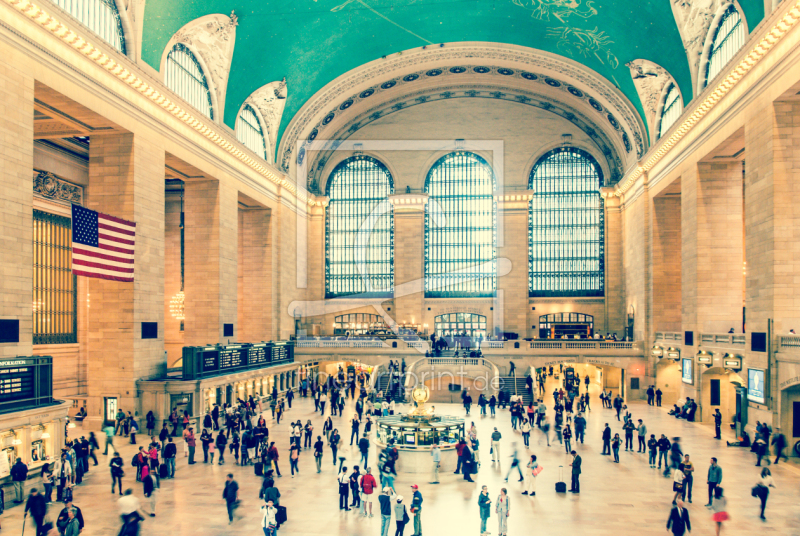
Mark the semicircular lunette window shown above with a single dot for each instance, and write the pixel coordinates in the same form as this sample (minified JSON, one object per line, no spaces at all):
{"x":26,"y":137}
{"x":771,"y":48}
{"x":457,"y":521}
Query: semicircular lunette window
{"x":184,"y":76}
{"x":249,"y":131}
{"x":359,"y":230}
{"x":566,"y":247}
{"x":100,"y":16}
{"x":673,"y":108}
{"x":729,"y":37}
{"x":460,"y":228}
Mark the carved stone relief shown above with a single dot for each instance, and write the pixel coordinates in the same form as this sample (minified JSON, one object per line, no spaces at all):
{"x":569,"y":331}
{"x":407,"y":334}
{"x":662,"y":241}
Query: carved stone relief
{"x":694,"y":18}
{"x":213,"y":37}
{"x":270,"y":100}
{"x":650,"y":80}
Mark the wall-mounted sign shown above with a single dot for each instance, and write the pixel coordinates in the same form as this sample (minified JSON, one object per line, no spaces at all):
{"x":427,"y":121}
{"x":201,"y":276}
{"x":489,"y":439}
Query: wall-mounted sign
{"x":657,"y":351}
{"x":687,"y":371}
{"x":673,"y":353}
{"x":733,"y":363}
{"x":203,"y":362}
{"x":704,"y":359}
{"x":756,"y":388}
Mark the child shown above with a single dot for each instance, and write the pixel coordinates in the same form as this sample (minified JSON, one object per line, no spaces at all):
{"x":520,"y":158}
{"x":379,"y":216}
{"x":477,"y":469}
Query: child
{"x":719,"y":506}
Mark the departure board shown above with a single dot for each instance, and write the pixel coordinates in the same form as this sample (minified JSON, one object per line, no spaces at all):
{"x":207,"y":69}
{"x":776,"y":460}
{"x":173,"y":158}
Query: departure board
{"x":232,"y":357}
{"x":25,"y":382}
{"x":257,"y":355}
{"x":16,"y":383}
{"x":279,"y":353}
{"x":210,"y":360}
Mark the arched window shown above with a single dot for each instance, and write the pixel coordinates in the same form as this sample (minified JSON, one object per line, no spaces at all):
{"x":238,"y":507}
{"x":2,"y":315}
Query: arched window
{"x":249,"y":132}
{"x":359,"y":230}
{"x":673,"y":108}
{"x":460,"y":228}
{"x":100,"y":16}
{"x":729,"y":37}
{"x":566,"y":242}
{"x":184,"y":76}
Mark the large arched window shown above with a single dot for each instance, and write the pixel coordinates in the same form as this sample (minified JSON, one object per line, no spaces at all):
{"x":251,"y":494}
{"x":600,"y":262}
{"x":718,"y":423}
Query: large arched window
{"x":249,"y":131}
{"x":359,"y":230}
{"x":460,"y":228}
{"x":673,"y":108}
{"x":100,"y":16}
{"x":566,"y":242}
{"x":729,"y":37}
{"x":184,"y":76}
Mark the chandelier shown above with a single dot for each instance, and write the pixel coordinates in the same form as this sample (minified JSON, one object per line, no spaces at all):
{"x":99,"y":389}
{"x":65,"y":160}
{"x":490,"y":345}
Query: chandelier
{"x":176,"y":307}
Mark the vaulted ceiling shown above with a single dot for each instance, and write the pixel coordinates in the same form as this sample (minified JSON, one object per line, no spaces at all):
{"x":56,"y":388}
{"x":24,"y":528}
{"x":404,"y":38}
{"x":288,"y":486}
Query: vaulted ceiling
{"x":313,"y":42}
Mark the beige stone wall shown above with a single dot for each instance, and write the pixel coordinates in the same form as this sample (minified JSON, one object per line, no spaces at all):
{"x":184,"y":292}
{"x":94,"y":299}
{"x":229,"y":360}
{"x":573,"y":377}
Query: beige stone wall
{"x":635,"y":233}
{"x":173,"y":336}
{"x":615,"y":317}
{"x":666,"y":287}
{"x":16,"y":225}
{"x":255,"y":276}
{"x":126,"y":175}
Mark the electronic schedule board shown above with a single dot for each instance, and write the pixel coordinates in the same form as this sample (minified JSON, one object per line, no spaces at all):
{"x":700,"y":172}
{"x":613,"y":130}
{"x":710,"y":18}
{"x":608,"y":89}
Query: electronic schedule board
{"x":25,"y":382}
{"x":206,"y":361}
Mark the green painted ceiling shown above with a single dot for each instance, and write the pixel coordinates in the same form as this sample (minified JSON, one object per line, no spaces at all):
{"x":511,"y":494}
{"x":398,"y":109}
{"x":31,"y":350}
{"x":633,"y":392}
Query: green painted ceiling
{"x":311,"y":42}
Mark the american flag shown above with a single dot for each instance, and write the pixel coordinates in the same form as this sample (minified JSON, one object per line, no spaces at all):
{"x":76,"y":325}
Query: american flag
{"x":102,"y":245}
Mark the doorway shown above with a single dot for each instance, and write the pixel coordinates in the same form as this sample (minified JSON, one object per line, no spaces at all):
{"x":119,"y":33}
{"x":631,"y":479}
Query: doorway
{"x":718,"y":391}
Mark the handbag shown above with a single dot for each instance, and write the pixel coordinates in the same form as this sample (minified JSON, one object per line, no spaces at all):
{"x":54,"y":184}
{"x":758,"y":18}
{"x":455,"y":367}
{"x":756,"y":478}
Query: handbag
{"x":406,"y":519}
{"x":537,"y":470}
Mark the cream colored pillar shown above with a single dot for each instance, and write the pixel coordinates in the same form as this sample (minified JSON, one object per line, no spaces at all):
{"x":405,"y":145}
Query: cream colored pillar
{"x":514,"y":285}
{"x":665,"y":290}
{"x":409,"y":258}
{"x":713,"y":248}
{"x":126,"y":180}
{"x":210,"y":261}
{"x":16,"y":225}
{"x":255,"y":281}
{"x":614,"y":296}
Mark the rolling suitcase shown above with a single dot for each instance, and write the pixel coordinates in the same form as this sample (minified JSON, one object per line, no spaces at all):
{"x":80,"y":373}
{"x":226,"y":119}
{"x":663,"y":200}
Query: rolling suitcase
{"x":259,"y":468}
{"x":561,"y":486}
{"x":163,"y":471}
{"x":280,"y":516}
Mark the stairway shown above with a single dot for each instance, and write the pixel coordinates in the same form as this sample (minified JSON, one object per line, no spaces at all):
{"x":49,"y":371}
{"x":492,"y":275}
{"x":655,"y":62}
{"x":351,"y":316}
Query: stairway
{"x":382,"y":384}
{"x":509,"y":382}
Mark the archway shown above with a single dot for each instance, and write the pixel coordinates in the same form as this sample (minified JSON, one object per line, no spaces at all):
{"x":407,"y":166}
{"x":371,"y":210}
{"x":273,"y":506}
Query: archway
{"x":790,"y":417}
{"x":668,"y":379}
{"x":718,"y":391}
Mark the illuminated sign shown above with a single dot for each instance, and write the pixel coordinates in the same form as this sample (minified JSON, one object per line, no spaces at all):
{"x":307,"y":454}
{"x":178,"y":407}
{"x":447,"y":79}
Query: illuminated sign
{"x":756,"y":388}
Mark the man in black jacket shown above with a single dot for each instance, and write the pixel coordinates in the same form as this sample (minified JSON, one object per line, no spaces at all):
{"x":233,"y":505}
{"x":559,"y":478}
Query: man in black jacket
{"x":678,"y":520}
{"x":606,"y":441}
{"x":63,"y":517}
{"x":37,"y":506}
{"x":169,"y":452}
{"x":19,"y":474}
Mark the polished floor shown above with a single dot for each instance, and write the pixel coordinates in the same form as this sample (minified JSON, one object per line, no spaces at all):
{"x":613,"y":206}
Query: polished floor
{"x":625,"y":498}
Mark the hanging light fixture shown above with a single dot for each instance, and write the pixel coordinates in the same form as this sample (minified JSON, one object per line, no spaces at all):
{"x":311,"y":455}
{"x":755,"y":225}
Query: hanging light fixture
{"x":177,"y":304}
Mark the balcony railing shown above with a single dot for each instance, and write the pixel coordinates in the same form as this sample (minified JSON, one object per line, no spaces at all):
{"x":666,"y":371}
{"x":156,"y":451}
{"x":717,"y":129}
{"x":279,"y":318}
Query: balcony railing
{"x":722,"y":339}
{"x":790,"y":343}
{"x":669,"y":336}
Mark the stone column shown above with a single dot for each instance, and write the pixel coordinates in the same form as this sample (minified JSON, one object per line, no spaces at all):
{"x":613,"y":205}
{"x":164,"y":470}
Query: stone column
{"x":16,"y":225}
{"x":713,"y":248}
{"x":665,"y":291}
{"x":772,"y":238}
{"x":126,"y":180}
{"x":255,"y":281}
{"x":614,"y":295}
{"x":210,"y":261}
{"x":409,"y":259}
{"x":514,"y":286}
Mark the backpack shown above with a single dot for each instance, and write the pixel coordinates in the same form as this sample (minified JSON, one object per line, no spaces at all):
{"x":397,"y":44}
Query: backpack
{"x":135,"y":460}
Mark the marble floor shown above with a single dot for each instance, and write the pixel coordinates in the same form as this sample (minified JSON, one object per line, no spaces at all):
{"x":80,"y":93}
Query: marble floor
{"x":625,"y":498}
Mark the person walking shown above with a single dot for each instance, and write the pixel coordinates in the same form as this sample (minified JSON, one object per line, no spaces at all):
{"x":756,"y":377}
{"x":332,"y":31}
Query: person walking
{"x":652,"y":447}
{"x":116,"y":471}
{"x":355,"y":423}
{"x":19,"y":474}
{"x":515,"y":464}
{"x":678,"y":520}
{"x":567,"y":435}
{"x":363,"y":447}
{"x":642,"y":431}
{"x":688,"y":478}
{"x":294,"y":458}
{"x":496,"y":436}
{"x":484,"y":508}
{"x":779,"y":441}
{"x":761,"y":490}
{"x":150,"y":491}
{"x":37,"y":506}
{"x":503,"y":511}
{"x":385,"y":502}
{"x":269,"y":519}
{"x":400,"y":516}
{"x":615,"y":447}
{"x":576,"y":473}
{"x":344,"y":488}
{"x":606,"y":441}
{"x":533,"y":471}
{"x":720,"y":508}
{"x":222,"y":442}
{"x":169,"y":453}
{"x":318,"y":447}
{"x":334,"y":443}
{"x":231,"y":495}
{"x":436,"y":454}
{"x":525,"y":429}
{"x":368,"y":485}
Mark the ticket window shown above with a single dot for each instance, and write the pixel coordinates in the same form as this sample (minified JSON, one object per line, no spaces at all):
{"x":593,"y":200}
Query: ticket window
{"x":111,"y":407}
{"x":11,"y":452}
{"x":38,"y":453}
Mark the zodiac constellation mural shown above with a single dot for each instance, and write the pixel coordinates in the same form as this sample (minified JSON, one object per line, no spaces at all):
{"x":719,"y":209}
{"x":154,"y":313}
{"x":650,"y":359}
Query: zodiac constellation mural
{"x":560,"y":9}
{"x":586,"y":43}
